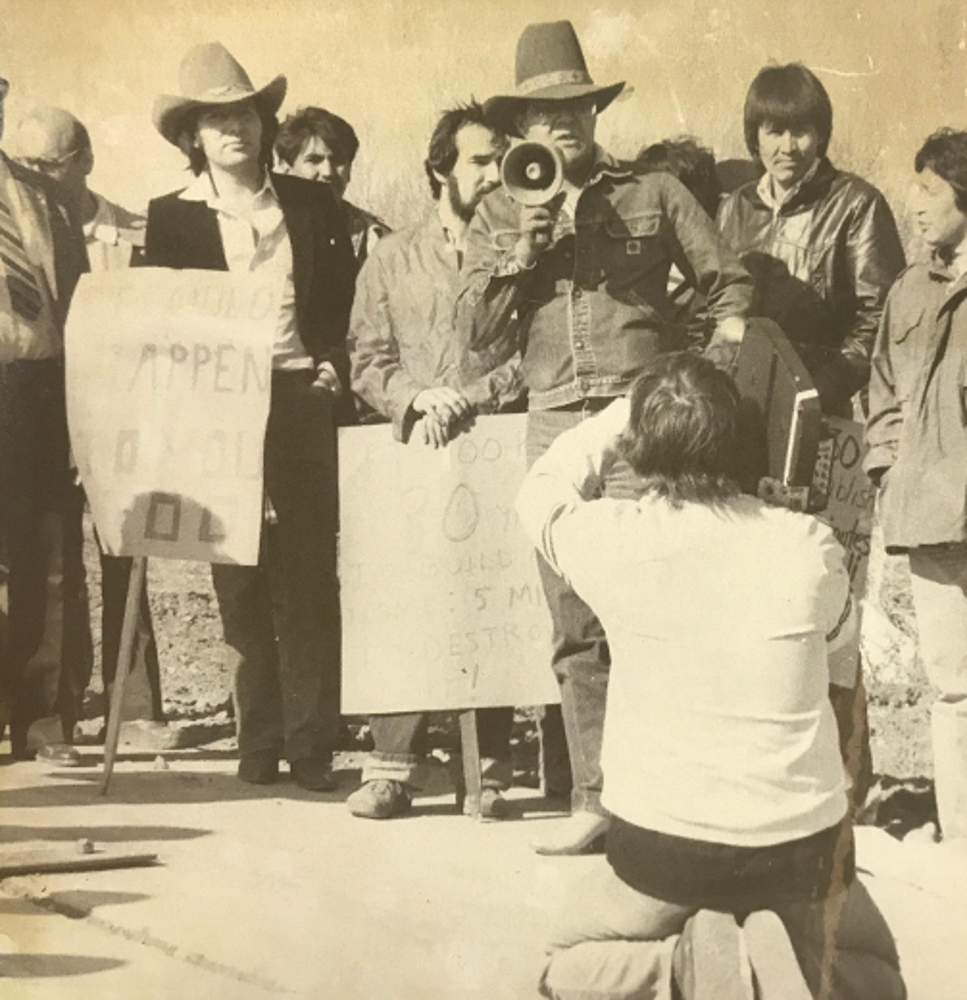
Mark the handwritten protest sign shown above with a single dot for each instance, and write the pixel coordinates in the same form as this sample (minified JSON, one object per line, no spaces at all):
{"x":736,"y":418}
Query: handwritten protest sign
{"x":442,"y":604}
{"x":168,"y":380}
{"x":849,"y":508}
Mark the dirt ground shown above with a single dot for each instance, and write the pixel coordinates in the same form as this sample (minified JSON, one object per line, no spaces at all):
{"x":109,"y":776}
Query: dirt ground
{"x":197,"y":687}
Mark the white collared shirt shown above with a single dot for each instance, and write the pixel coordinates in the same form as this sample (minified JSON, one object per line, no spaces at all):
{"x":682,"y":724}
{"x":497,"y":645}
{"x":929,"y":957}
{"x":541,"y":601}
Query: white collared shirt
{"x":109,"y":243}
{"x":776,"y":198}
{"x":257,"y":239}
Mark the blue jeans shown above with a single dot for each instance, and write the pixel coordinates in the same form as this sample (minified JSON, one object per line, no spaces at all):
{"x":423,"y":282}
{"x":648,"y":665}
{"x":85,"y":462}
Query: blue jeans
{"x":397,"y":740}
{"x":580,"y":657}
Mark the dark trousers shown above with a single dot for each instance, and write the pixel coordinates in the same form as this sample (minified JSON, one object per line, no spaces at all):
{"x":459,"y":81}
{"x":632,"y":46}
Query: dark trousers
{"x":580,"y":657}
{"x":398,"y":742}
{"x":45,"y":640}
{"x":281,"y":618}
{"x":115,"y":574}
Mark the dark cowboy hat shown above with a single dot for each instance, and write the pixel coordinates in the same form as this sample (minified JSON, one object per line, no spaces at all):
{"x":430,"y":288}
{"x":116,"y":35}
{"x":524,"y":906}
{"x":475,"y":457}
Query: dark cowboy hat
{"x":550,"y":67}
{"x":211,"y":75}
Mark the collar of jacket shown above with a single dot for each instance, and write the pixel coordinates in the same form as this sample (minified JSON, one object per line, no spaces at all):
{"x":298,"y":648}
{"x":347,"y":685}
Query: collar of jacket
{"x":811,"y":191}
{"x":605,"y":165}
{"x":939,"y":270}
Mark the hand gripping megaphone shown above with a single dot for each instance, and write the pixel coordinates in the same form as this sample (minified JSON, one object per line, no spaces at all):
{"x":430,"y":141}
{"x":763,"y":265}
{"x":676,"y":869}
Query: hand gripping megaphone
{"x":532,"y":173}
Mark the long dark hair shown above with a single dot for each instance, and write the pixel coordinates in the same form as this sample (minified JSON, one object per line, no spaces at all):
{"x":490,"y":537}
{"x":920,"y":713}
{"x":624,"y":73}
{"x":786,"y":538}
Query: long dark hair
{"x":683,"y":435}
{"x":198,"y":161}
{"x":788,"y":97}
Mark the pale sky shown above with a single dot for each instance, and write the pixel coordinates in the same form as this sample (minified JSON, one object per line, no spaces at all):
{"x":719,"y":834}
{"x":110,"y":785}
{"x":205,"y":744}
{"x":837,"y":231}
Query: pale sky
{"x":895,"y":71}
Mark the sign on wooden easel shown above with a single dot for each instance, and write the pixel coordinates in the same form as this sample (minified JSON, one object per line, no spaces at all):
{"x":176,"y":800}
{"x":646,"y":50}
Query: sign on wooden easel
{"x":168,"y":384}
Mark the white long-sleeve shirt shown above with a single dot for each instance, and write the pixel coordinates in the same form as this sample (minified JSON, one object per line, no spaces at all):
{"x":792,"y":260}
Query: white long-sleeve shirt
{"x":726,"y":625}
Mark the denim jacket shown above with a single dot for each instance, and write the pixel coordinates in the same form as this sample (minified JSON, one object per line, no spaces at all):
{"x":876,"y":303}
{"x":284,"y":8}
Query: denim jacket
{"x":594,"y":309}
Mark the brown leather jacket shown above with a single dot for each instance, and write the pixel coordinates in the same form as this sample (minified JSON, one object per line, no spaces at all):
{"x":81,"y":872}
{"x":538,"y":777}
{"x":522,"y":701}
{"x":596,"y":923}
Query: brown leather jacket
{"x":822,"y":265}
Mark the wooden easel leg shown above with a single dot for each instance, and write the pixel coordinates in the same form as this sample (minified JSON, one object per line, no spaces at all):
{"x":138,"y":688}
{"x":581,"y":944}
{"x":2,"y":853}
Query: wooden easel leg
{"x":125,"y":656}
{"x":470,"y":747}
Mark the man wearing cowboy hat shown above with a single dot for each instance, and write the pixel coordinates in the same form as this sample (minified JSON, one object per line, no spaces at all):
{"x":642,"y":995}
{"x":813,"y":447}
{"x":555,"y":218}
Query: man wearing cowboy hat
{"x":280,"y":618}
{"x":45,"y":653}
{"x":580,"y":285}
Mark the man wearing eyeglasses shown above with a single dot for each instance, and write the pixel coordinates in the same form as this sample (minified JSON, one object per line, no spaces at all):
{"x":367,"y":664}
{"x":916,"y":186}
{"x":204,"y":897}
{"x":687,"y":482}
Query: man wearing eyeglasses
{"x":55,"y":143}
{"x":579,"y":285}
{"x":44,"y":649}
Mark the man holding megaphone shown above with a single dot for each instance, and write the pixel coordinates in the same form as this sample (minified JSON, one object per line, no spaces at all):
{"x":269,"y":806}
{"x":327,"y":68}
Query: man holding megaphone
{"x":568,"y":262}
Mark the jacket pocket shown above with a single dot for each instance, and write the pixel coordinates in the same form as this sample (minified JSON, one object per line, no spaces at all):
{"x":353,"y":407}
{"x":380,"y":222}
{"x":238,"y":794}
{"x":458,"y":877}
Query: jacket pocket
{"x":909,"y":322}
{"x":629,"y":250}
{"x":637,"y":227}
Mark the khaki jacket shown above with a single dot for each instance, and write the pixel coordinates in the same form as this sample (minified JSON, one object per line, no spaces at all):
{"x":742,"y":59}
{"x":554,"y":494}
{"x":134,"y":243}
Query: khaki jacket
{"x":917,"y":428}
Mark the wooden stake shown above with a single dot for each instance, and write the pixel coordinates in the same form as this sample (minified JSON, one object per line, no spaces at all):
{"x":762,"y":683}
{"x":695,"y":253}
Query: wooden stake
{"x":125,"y":657}
{"x":470,"y":748}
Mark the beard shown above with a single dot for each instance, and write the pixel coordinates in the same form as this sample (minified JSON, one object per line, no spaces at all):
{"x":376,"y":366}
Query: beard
{"x":463,"y":210}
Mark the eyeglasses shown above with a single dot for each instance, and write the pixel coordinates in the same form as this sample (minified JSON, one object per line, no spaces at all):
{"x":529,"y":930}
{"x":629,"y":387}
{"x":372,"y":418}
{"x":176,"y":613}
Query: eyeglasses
{"x":47,"y":166}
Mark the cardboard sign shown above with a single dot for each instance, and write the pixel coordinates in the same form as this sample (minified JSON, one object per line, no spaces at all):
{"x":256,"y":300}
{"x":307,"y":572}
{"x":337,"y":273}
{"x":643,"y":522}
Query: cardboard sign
{"x":168,"y":381}
{"x":851,"y":495}
{"x":442,"y":603}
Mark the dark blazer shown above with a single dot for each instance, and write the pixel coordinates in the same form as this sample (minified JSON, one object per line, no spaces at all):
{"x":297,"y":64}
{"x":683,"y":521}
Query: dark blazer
{"x":185,"y":234}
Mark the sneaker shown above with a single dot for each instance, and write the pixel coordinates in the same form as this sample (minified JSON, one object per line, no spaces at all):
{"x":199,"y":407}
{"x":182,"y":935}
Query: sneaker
{"x":259,"y":768}
{"x":314,"y":774}
{"x":380,"y":799}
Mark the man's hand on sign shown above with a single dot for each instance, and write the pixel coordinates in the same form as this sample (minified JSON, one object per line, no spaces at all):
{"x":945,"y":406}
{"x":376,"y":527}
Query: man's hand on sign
{"x":444,"y":404}
{"x":328,"y":380}
{"x":536,"y":230}
{"x":436,"y":433}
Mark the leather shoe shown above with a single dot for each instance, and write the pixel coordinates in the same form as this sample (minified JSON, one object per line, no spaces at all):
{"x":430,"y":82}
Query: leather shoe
{"x":313,"y":774}
{"x":259,"y":768}
{"x":581,"y":833}
{"x":492,"y":805}
{"x":380,"y":798}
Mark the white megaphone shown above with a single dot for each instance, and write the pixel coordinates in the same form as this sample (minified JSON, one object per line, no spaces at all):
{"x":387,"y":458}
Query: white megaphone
{"x":532,"y":172}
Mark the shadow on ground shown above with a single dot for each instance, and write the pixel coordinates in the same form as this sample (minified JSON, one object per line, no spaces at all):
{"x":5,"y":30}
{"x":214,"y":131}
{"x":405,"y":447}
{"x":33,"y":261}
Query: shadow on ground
{"x":51,"y":966}
{"x":73,"y":903}
{"x":98,"y":834}
{"x":167,"y":787}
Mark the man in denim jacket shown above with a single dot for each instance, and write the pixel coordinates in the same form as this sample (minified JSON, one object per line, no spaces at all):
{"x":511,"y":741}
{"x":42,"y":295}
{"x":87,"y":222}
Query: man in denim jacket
{"x":579,"y":285}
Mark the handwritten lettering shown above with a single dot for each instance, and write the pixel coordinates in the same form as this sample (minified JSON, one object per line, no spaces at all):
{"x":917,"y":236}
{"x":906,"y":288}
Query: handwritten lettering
{"x":200,"y":368}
